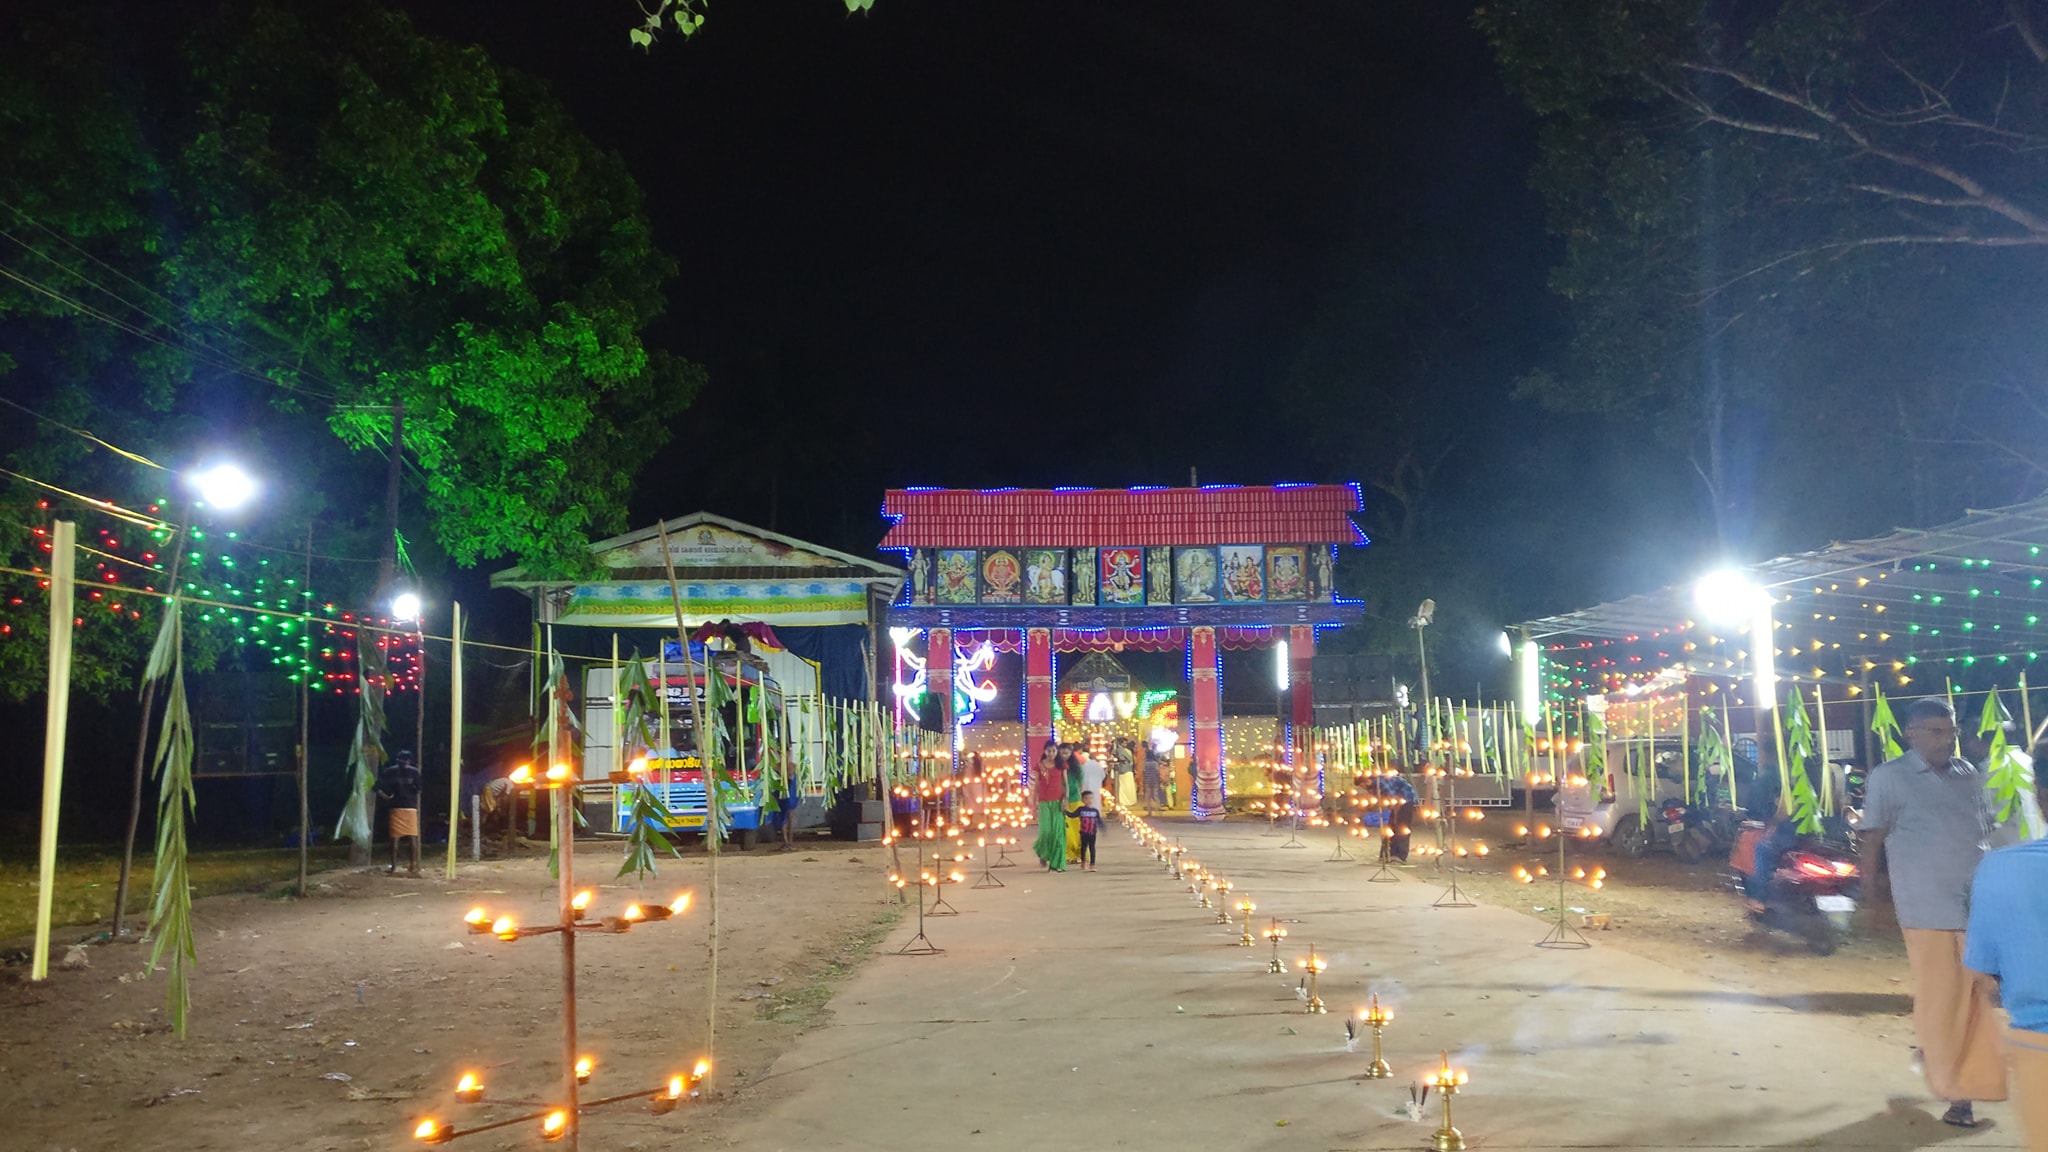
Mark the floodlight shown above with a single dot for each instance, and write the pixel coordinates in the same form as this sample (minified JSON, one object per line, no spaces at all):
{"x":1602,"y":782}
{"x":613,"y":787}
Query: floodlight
{"x":1425,"y":614}
{"x":1728,"y":596}
{"x":405,"y":606}
{"x":223,"y":486}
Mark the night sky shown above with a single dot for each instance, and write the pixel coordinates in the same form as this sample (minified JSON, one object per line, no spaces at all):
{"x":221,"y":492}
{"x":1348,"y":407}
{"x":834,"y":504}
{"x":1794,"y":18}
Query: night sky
{"x":961,"y":244}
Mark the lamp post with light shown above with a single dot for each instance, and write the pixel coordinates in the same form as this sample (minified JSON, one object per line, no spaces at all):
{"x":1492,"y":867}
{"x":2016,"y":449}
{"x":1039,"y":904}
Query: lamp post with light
{"x":226,"y":487}
{"x":1425,"y":614}
{"x":1729,"y":597}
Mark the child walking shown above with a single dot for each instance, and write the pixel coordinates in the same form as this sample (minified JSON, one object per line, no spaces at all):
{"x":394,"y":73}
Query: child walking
{"x":1090,"y":818}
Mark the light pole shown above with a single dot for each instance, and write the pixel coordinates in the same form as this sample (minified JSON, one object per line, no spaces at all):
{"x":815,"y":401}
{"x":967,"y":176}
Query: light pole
{"x":224,"y":486}
{"x":1730,"y":597}
{"x":1425,"y":613}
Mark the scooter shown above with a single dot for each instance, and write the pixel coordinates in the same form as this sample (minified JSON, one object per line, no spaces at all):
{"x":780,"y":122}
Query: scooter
{"x":1812,"y":892}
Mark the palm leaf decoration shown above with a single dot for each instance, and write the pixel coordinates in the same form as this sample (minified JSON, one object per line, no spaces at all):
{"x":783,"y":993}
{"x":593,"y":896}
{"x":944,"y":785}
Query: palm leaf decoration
{"x":2009,"y":776}
{"x":1886,"y":725}
{"x":1801,"y":803}
{"x":170,"y":909}
{"x":1715,"y":757}
{"x":646,"y":811}
{"x":366,"y":751}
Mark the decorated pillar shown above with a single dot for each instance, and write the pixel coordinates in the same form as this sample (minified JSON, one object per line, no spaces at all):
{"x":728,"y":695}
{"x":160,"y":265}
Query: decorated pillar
{"x":938,"y":664}
{"x":1037,"y":695}
{"x":1207,"y":801}
{"x":1301,"y":655}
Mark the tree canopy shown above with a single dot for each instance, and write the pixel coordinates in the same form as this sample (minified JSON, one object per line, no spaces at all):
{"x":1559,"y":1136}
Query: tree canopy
{"x":263,"y":226}
{"x":1805,"y":244}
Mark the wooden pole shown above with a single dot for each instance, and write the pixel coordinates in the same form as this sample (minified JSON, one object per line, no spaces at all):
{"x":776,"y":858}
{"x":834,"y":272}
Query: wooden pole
{"x":63,"y":585}
{"x":565,"y":833}
{"x":454,"y":735}
{"x":711,"y":799}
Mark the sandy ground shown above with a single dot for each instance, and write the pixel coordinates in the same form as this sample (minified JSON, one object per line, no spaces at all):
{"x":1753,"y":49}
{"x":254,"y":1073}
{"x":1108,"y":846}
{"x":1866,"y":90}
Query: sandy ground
{"x":1106,"y":1010}
{"x":332,"y":1023}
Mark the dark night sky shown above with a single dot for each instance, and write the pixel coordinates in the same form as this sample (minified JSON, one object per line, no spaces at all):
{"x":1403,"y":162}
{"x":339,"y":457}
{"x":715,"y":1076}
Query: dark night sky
{"x":966,"y":243}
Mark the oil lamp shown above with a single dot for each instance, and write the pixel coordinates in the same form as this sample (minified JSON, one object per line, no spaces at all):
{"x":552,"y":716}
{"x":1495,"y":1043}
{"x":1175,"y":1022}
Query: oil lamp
{"x":555,"y":1125}
{"x":581,"y":901}
{"x":1276,"y":934}
{"x":1223,"y":901}
{"x":479,"y":921}
{"x":432,"y":1131}
{"x":522,"y":775}
{"x":1314,"y":966}
{"x":584,"y":1064}
{"x":1376,"y":1017}
{"x":558,"y":775}
{"x":1447,"y":1081}
{"x":469,"y":1089}
{"x":1246,"y":906}
{"x":504,"y":929}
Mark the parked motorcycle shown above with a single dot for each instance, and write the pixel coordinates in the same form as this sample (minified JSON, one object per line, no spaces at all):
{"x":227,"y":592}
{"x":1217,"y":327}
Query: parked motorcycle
{"x":1812,"y":892}
{"x":1695,"y":832}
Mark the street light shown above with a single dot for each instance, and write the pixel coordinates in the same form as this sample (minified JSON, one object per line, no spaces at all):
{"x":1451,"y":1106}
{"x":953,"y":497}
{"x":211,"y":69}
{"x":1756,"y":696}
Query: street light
{"x":405,"y":606}
{"x":223,"y":485}
{"x":1425,"y":613}
{"x":1731,"y":598}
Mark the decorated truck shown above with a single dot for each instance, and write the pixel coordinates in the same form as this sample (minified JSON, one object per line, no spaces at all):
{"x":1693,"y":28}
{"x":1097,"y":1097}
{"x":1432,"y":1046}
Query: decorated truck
{"x":746,"y":707}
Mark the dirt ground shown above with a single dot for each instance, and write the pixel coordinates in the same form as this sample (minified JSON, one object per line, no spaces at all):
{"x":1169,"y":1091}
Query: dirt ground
{"x":335,"y":1022}
{"x":1677,"y":914}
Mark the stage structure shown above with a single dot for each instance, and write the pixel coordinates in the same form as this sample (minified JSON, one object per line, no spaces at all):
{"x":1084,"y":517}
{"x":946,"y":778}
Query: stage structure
{"x":1196,"y":570}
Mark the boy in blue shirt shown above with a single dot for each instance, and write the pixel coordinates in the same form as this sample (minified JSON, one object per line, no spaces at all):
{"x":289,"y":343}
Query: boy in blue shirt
{"x":2007,"y":942}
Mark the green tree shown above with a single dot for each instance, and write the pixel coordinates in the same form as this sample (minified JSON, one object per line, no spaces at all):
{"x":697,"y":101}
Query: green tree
{"x":1802,"y":242}
{"x":268,"y":223}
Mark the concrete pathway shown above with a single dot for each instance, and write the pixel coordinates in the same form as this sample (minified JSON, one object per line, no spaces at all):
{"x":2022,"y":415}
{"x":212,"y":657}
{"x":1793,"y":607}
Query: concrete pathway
{"x":1105,"y":1010}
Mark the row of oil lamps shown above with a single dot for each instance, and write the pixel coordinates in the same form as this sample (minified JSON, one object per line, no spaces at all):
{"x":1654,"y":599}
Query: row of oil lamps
{"x":1211,"y":890}
{"x":554,"y":1121}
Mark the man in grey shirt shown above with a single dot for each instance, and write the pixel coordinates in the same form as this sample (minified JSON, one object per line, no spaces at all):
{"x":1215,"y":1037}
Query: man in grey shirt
{"x":1928,"y":813}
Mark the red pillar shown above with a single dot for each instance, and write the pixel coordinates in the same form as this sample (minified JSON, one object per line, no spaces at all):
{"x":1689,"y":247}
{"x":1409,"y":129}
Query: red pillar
{"x":1037,"y":694}
{"x":938,"y":677}
{"x":1301,"y":654}
{"x":1207,"y":801}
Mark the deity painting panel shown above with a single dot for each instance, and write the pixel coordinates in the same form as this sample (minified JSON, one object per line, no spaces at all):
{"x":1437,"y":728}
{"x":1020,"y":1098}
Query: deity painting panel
{"x":1159,"y":575}
{"x":1322,"y":574}
{"x":1241,"y":572}
{"x":921,"y":576}
{"x":1002,"y":577}
{"x":1122,"y":580}
{"x":1194,"y":576}
{"x":954,"y":577}
{"x":1082,"y":570}
{"x":1045,"y":576}
{"x":1287,"y":573}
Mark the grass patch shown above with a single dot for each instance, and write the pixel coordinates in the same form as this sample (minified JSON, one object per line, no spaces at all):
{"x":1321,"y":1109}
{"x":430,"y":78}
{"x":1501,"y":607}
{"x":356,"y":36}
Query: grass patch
{"x":86,"y":877}
{"x":805,"y":1007}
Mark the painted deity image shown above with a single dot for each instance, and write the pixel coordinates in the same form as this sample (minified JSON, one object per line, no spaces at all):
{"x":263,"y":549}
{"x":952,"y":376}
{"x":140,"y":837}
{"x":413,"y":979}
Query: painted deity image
{"x":1123,"y":576}
{"x":1286,"y":574}
{"x":1001,"y":578}
{"x":955,"y":578}
{"x":1242,"y":569}
{"x":1045,"y":576}
{"x":1194,"y":575}
{"x":1159,"y":575}
{"x":920,"y":577}
{"x":1083,"y":572}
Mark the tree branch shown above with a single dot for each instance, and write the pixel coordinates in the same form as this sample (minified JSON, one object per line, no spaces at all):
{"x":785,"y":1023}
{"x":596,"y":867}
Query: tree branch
{"x":2023,"y":23}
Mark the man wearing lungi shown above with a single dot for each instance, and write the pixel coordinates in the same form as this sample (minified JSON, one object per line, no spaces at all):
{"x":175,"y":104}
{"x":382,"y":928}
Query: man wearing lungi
{"x":398,"y":785}
{"x":2008,"y":943}
{"x":1928,"y":812}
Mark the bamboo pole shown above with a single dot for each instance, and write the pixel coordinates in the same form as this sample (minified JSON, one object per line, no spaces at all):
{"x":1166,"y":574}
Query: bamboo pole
{"x":306,"y":714}
{"x":63,"y":586}
{"x":454,"y":735}
{"x":711,"y":798}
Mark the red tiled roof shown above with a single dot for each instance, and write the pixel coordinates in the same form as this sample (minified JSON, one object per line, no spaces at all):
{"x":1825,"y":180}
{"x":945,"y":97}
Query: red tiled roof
{"x":1112,"y":517}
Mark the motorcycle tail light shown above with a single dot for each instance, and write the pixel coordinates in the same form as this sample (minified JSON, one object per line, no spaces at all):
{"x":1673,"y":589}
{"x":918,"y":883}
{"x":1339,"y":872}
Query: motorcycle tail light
{"x":1814,"y":866}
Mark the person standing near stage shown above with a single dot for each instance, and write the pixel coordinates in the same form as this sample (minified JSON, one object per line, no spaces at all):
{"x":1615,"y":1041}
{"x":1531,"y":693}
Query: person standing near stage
{"x":1049,"y":788}
{"x":1928,"y":813}
{"x":2008,"y":943}
{"x":398,"y":785}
